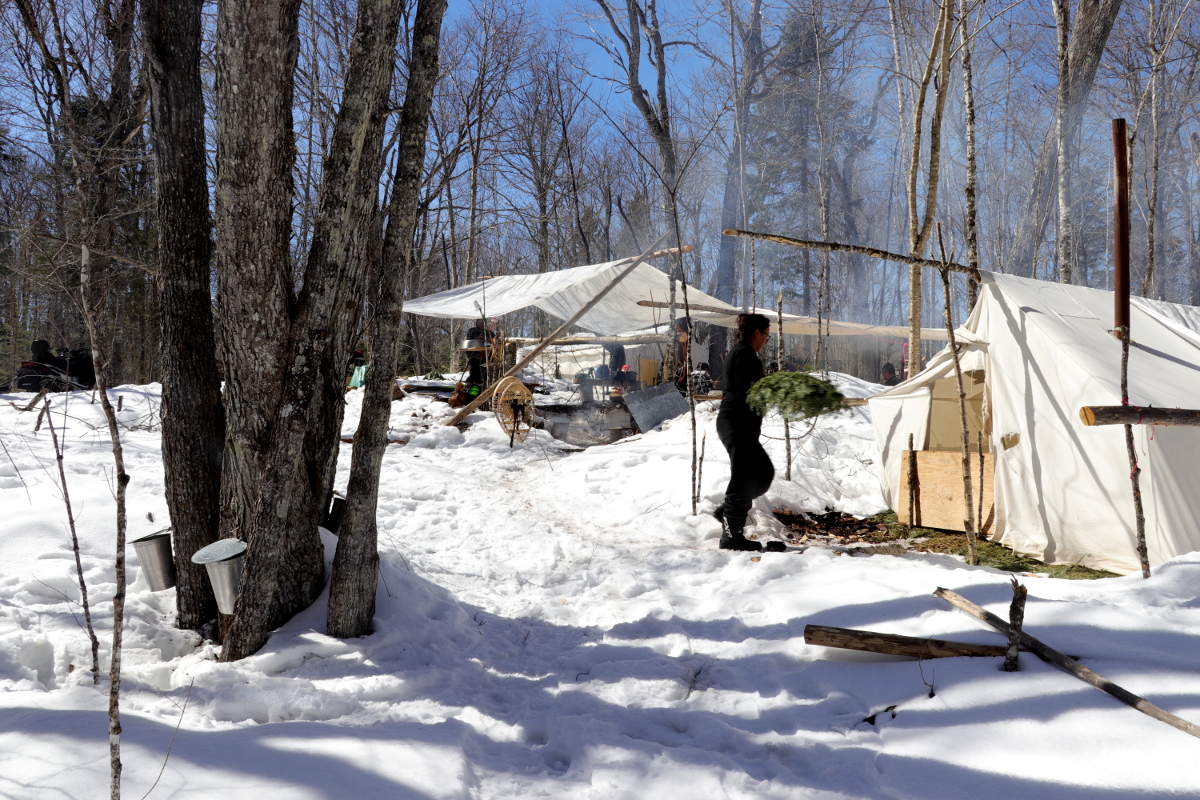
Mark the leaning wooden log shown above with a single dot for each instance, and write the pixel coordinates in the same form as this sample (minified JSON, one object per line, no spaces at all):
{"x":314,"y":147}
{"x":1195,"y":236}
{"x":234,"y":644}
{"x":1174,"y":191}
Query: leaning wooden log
{"x":838,"y":247}
{"x":1138,"y":415}
{"x":894,"y":645}
{"x":1072,"y":666}
{"x":486,"y":394}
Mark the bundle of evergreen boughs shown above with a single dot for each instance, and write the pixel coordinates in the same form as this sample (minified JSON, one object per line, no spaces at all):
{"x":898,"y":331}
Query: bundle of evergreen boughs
{"x":795,"y":395}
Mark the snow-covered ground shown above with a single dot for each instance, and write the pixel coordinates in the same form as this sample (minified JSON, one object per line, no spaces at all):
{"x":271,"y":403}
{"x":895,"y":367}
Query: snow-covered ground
{"x":558,"y":624}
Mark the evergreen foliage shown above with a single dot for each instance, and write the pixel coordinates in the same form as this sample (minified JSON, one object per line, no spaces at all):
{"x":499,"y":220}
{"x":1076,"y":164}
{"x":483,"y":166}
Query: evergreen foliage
{"x":795,"y":395}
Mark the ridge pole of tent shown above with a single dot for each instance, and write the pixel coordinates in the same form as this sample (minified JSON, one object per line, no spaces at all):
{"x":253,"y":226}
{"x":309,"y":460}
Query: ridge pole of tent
{"x":566,"y":326}
{"x":1121,"y":230}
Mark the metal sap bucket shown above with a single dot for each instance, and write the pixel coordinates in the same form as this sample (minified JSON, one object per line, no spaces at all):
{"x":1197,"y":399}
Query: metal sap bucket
{"x":154,"y":553}
{"x":223,"y":560}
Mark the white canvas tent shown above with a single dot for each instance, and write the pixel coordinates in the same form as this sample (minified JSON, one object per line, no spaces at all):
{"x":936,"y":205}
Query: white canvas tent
{"x":1034,"y":354}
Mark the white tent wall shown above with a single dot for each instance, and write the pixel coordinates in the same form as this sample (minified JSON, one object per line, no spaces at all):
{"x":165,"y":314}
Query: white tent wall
{"x":1062,"y":489}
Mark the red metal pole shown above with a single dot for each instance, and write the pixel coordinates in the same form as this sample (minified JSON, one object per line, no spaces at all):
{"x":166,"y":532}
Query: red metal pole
{"x":1121,"y":230}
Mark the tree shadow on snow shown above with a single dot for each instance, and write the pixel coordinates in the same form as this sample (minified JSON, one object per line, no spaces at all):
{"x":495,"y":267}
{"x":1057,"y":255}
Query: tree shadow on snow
{"x":546,"y":701}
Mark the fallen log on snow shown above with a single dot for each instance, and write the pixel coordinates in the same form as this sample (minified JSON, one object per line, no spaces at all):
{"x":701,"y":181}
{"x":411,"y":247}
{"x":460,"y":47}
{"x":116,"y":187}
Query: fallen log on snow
{"x":1072,"y":666}
{"x":894,"y":645}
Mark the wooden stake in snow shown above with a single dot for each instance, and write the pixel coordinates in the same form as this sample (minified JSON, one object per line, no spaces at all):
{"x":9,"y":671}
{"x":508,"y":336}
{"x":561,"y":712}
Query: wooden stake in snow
{"x":1016,"y":618}
{"x":486,"y":394}
{"x":914,"y":490}
{"x":1072,"y":666}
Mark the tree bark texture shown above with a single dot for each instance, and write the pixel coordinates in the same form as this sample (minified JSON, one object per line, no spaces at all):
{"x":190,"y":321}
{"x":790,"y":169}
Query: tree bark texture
{"x":281,"y":432}
{"x":972,"y":161}
{"x":356,"y":560}
{"x":193,"y":418}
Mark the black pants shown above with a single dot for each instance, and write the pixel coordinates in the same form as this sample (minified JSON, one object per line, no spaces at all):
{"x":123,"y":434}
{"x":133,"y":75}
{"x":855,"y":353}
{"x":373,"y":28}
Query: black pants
{"x":750,"y":471}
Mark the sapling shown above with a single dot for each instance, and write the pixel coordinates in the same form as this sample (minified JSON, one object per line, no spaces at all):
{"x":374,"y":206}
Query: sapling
{"x":83,"y":594}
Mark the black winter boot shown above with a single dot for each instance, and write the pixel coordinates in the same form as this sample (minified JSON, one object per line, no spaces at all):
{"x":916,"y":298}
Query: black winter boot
{"x":732,"y":537}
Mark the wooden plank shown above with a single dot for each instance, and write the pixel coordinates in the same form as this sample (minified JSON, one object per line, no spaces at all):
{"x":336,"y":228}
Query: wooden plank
{"x":895,"y":645}
{"x":940,"y":502}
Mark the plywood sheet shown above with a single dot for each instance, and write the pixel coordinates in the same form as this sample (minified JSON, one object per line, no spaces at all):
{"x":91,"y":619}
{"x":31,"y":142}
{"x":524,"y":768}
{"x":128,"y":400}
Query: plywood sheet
{"x":940,"y":490}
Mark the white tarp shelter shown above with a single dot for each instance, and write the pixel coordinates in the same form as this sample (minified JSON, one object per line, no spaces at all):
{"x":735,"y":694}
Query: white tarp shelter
{"x":1034,"y":354}
{"x":564,"y":292}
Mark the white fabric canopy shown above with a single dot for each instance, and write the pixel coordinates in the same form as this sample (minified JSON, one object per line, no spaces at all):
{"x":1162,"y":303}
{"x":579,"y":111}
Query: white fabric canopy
{"x":564,"y":292}
{"x":1062,"y":489}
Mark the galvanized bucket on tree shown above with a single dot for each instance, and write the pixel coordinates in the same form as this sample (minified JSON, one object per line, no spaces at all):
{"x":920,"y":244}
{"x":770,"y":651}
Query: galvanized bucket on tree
{"x":154,"y":553}
{"x":223,"y":560}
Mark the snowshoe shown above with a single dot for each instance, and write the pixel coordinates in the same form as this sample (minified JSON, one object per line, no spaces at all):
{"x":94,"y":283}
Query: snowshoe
{"x":775,"y":546}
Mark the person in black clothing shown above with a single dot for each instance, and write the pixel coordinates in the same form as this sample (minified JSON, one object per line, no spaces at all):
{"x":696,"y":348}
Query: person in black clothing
{"x":750,"y":468}
{"x":887,"y":375}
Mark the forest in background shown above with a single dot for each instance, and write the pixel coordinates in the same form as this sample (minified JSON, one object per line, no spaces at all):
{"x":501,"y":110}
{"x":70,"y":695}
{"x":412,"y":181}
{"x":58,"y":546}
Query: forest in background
{"x":795,"y":118}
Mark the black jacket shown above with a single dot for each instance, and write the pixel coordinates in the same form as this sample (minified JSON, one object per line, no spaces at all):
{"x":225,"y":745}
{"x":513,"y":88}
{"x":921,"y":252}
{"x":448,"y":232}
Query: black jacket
{"x":742,"y":369}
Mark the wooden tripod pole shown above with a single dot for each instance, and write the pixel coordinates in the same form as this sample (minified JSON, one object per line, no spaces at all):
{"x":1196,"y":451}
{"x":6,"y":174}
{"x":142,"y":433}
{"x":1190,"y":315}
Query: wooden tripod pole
{"x":549,"y":340}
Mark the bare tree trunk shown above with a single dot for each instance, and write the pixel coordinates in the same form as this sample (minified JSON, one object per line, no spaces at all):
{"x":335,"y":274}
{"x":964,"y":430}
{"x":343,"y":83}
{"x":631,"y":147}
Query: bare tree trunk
{"x":969,"y":519}
{"x":90,"y":314}
{"x":1062,"y":21}
{"x":969,"y":190}
{"x":921,"y":225}
{"x":193,"y":418}
{"x":1093,"y":23}
{"x":280,"y":434}
{"x":356,"y":561}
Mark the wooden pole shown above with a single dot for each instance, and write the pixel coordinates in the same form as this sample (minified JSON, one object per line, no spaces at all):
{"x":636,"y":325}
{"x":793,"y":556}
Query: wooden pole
{"x":1138,"y":415}
{"x":1120,"y":229}
{"x":549,"y":340}
{"x":1016,"y":619}
{"x":1072,"y":666}
{"x":566,"y":341}
{"x":787,"y":433}
{"x":948,"y":314}
{"x":914,"y":491}
{"x":838,"y":247}
{"x":893,"y":645}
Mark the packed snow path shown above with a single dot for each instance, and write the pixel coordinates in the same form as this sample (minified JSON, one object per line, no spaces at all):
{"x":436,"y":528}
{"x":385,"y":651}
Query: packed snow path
{"x":557,"y":624}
